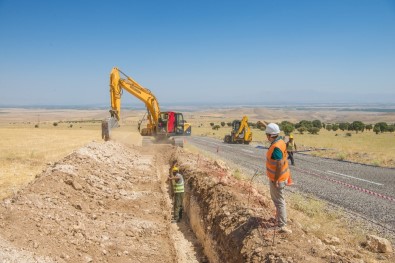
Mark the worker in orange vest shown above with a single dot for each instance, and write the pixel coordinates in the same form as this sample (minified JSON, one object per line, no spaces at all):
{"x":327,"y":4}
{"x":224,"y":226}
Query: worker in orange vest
{"x":278,"y":173}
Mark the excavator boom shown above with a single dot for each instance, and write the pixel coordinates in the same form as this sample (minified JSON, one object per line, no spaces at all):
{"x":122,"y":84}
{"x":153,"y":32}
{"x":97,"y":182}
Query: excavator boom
{"x":117,"y":84}
{"x":243,"y":125}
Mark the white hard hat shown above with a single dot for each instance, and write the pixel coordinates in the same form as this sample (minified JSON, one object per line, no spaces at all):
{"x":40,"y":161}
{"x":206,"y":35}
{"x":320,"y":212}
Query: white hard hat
{"x":272,"y":129}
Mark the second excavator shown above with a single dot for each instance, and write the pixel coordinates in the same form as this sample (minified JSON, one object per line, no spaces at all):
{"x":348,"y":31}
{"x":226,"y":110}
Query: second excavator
{"x":161,"y":125}
{"x":241,"y":132}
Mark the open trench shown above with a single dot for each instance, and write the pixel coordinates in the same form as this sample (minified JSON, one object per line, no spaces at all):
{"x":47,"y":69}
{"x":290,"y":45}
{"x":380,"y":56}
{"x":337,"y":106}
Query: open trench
{"x":225,"y":215}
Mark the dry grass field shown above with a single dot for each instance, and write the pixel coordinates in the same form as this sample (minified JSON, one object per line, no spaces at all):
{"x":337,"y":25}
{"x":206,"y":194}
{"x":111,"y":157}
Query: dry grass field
{"x":26,"y":150}
{"x":367,"y":147}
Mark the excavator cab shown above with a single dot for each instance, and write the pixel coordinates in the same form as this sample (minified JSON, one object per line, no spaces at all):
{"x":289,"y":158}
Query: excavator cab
{"x":236,"y":127}
{"x":182,"y":127}
{"x":172,"y":124}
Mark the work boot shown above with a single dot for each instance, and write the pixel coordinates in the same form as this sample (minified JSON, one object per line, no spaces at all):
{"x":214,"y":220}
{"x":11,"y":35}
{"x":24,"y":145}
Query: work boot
{"x":285,"y":230}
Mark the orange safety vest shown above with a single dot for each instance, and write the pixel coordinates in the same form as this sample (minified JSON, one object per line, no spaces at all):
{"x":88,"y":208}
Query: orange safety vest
{"x":271,"y":164}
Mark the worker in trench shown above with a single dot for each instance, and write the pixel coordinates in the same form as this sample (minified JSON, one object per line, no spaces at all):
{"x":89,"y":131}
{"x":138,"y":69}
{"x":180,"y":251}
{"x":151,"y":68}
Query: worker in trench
{"x":178,"y":192}
{"x":278,"y":173}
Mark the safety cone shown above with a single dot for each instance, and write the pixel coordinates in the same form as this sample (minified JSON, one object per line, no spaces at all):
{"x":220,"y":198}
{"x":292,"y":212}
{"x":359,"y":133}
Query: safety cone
{"x":289,"y":181}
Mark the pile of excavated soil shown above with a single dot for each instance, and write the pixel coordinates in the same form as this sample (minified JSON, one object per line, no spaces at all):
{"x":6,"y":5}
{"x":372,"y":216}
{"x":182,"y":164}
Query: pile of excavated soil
{"x":103,"y":203}
{"x":108,"y":202}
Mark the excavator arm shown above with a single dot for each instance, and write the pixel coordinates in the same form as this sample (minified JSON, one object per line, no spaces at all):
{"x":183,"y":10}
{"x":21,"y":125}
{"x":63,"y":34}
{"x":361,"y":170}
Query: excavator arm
{"x":118,"y":84}
{"x":243,"y":125}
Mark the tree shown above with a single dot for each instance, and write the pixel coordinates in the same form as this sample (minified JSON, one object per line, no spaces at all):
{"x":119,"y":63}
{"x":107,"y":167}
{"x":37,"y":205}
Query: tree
{"x":55,"y":124}
{"x":391,"y":128}
{"x":216,"y":127}
{"x":211,"y":124}
{"x":313,"y":130}
{"x":328,"y":127}
{"x":343,"y":126}
{"x":222,"y":123}
{"x":302,"y":129}
{"x":369,"y":127}
{"x":304,"y":123}
{"x":287,"y":127}
{"x":335,"y":127}
{"x":383,"y":126}
{"x":376,"y":129}
{"x":358,"y":126}
{"x":229,"y":124}
{"x":317,"y":123}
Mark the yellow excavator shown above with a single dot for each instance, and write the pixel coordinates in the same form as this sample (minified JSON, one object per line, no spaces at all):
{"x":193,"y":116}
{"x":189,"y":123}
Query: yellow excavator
{"x":161,"y":125}
{"x":241,"y":132}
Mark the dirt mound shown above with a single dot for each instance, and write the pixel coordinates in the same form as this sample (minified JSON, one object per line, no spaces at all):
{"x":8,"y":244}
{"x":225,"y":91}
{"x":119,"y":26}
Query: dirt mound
{"x":103,"y":203}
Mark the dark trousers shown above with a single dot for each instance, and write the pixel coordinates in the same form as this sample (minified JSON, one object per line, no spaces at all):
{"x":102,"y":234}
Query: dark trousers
{"x":178,"y":198}
{"x":291,"y":157}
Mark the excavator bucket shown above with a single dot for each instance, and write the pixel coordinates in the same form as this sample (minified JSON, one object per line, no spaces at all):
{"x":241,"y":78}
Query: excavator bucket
{"x":106,"y":126}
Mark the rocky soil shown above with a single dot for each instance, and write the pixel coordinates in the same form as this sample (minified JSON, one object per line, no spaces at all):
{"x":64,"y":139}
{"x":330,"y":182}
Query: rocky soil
{"x":103,"y":203}
{"x":108,"y":202}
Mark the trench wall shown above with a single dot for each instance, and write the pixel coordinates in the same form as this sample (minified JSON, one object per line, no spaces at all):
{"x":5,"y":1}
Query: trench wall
{"x":228,"y":232}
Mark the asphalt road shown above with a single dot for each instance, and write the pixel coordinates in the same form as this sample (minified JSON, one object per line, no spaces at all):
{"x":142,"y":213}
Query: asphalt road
{"x":366,"y":191}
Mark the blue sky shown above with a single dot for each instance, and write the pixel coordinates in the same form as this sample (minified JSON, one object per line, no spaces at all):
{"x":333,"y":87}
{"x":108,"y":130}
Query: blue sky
{"x":259,"y":52}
